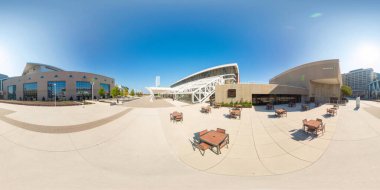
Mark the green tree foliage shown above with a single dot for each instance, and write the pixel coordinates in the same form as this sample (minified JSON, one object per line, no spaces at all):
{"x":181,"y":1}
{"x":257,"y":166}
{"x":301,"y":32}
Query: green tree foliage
{"x":346,"y":90}
{"x":115,"y":92}
{"x":132,"y":92}
{"x":101,"y":92}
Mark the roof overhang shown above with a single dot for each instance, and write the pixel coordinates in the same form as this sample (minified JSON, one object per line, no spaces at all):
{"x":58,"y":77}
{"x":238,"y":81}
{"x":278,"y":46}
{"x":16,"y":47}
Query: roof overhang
{"x":327,"y":81}
{"x":30,"y":66}
{"x":212,"y":68}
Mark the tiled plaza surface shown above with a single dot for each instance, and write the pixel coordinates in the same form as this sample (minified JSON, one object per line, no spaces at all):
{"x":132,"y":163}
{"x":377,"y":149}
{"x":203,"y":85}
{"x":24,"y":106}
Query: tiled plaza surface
{"x":142,"y":149}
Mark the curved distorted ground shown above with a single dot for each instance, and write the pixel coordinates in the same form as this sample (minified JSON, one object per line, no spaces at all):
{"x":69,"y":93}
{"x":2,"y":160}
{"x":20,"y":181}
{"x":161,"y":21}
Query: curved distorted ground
{"x":144,"y":150}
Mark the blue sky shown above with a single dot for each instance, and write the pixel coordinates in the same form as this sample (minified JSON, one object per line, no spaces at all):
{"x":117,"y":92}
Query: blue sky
{"x":133,"y":41}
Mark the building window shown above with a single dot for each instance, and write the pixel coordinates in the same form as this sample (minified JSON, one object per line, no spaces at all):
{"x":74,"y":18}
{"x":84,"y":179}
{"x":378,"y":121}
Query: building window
{"x":30,"y":91}
{"x":71,"y":76}
{"x":59,"y":89}
{"x":231,"y":93}
{"x":42,"y":77}
{"x":12,"y":92}
{"x":83,"y":90}
{"x":55,"y":76}
{"x":84,"y":77}
{"x":106,"y":88}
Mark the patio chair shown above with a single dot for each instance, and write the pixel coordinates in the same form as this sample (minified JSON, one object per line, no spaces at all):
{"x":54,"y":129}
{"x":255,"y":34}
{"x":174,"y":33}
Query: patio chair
{"x":171,"y":117}
{"x":321,"y":128}
{"x":203,"y":132}
{"x":219,"y":130}
{"x":225,"y":142}
{"x":320,"y":120}
{"x":179,"y":117}
{"x":202,"y":147}
{"x":304,"y":123}
{"x":197,"y":137}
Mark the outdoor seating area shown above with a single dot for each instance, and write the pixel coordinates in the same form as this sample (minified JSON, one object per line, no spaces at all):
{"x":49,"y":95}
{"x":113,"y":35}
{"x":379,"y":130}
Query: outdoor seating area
{"x":235,"y":113}
{"x":270,"y":107}
{"x":281,"y":112}
{"x":206,"y":109}
{"x":313,"y":126}
{"x":332,"y":111}
{"x":212,"y":140}
{"x":176,"y":116}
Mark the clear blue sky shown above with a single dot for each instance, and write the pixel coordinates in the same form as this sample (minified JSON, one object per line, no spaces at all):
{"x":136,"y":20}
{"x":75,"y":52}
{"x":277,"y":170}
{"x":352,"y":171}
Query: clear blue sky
{"x":133,"y":41}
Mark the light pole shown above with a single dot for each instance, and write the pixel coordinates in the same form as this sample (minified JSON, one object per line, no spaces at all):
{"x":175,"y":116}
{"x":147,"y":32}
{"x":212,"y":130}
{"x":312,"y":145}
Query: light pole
{"x":92,"y":90}
{"x":55,"y":94}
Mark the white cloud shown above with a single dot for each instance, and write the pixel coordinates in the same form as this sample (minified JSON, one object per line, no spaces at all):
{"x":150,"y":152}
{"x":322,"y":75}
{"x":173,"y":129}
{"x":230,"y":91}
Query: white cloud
{"x":315,"y":15}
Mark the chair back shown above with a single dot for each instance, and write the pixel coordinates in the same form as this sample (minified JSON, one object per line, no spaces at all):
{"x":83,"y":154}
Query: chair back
{"x":219,"y":130}
{"x":304,"y":121}
{"x":320,"y":120}
{"x":197,"y":137}
{"x":203,"y":132}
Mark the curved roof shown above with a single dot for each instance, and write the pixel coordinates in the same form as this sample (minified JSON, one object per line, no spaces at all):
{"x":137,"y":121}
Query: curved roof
{"x":210,"y":69}
{"x":30,"y":66}
{"x":305,"y":66}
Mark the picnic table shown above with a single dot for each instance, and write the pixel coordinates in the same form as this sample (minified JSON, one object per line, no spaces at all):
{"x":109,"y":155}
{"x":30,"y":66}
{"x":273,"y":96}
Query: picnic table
{"x":215,"y":139}
{"x":280,"y":112}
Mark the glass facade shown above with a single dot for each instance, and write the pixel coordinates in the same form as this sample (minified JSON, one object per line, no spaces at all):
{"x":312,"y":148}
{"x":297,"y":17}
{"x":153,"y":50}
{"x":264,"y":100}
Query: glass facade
{"x":60,"y":88}
{"x":83,"y":90}
{"x":30,"y":91}
{"x":12,"y":92}
{"x":263,"y":99}
{"x":106,"y":88}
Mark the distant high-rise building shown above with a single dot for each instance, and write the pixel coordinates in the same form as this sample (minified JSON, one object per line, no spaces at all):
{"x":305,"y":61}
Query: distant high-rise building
{"x":359,"y":80}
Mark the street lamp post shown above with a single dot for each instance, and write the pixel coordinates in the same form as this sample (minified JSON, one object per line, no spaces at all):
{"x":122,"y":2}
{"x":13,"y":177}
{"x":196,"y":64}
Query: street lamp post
{"x":92,"y":90}
{"x":55,"y":94}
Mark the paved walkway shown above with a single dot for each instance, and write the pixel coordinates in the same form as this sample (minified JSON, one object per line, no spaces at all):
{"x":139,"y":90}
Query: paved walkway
{"x":58,"y":129}
{"x":143,"y":150}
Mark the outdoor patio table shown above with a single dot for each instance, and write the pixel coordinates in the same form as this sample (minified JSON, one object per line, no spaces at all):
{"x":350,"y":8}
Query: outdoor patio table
{"x":214,"y":139}
{"x":176,"y":114}
{"x":312,"y":124}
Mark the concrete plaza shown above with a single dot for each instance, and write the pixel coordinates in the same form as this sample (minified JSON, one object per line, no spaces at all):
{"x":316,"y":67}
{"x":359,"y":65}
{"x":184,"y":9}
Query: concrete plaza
{"x":135,"y":146}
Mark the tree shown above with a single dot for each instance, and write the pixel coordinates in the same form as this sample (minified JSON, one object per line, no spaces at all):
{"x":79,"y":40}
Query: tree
{"x":115,"y":92}
{"x":132,"y":92}
{"x":346,"y":90}
{"x":101,"y":92}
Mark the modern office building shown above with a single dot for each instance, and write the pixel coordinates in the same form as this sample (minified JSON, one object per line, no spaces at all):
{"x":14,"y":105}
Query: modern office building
{"x":200,"y":86}
{"x":374,"y":89}
{"x":315,"y":82}
{"x":45,"y":82}
{"x":359,"y":80}
{"x":2,"y":78}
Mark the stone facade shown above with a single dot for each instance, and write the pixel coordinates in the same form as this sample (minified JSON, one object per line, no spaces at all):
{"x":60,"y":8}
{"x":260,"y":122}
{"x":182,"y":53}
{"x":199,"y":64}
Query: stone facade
{"x":320,"y":81}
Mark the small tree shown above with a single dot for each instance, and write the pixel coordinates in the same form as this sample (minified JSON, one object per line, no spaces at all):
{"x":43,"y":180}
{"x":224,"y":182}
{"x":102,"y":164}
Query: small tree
{"x":101,"y":92}
{"x":346,"y":90}
{"x":126,"y":93}
{"x":132,"y":92}
{"x":115,"y":92}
